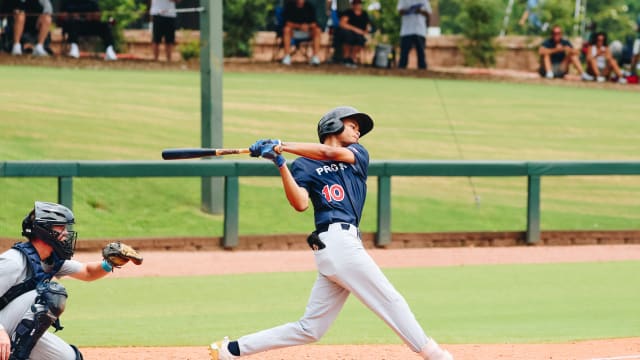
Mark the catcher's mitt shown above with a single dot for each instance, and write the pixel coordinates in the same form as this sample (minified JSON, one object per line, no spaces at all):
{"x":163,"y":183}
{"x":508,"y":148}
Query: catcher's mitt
{"x":118,"y":254}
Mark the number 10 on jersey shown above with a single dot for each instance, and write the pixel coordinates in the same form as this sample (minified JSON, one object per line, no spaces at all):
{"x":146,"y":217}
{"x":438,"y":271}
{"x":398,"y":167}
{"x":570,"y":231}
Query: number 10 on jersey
{"x":334,"y":192}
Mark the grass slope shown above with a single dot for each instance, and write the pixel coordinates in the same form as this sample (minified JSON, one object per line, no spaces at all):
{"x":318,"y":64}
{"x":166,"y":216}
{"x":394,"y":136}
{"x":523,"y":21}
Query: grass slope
{"x":473,"y":304}
{"x":85,"y":114}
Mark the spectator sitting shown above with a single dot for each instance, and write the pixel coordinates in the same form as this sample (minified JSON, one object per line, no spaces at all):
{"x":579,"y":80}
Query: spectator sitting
{"x":600,"y":62}
{"x":354,"y":24}
{"x":164,"y":26}
{"x":82,"y":17}
{"x":20,"y":8}
{"x":413,"y":31}
{"x":300,"y":15}
{"x":555,"y":55}
{"x":337,"y":8}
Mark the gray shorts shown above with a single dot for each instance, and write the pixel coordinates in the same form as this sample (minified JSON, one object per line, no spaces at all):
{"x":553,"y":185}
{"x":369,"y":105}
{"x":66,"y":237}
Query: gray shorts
{"x":559,"y":71}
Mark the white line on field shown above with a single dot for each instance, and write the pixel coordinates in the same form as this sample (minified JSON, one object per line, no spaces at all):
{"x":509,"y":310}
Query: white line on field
{"x":619,"y":357}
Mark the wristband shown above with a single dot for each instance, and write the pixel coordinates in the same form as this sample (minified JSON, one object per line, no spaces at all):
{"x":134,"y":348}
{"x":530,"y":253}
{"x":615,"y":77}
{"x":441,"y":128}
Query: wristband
{"x":280,"y":161}
{"x":106,"y":266}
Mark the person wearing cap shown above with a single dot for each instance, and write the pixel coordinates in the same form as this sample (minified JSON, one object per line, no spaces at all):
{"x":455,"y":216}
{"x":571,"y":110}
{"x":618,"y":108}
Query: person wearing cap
{"x":332,"y":176}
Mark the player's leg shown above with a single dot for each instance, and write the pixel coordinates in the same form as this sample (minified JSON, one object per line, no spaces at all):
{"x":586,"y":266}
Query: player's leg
{"x":612,"y":65}
{"x":420,"y":45}
{"x":156,"y":37}
{"x":362,"y":276}
{"x":169,"y":37}
{"x":44,"y":25}
{"x":546,"y":63}
{"x":19,"y":19}
{"x":315,"y":32}
{"x":325,"y":302}
{"x":405,"y":47}
{"x":592,"y":67}
{"x":48,"y":305}
{"x":51,"y":346}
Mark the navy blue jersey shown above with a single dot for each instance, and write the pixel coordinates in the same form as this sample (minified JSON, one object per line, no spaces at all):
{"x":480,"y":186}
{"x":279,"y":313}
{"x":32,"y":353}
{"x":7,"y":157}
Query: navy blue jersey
{"x":558,"y":57}
{"x":336,"y":189}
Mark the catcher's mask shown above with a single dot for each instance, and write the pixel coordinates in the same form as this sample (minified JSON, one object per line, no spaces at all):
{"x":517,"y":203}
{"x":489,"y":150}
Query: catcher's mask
{"x":39,"y":224}
{"x":331,"y":122}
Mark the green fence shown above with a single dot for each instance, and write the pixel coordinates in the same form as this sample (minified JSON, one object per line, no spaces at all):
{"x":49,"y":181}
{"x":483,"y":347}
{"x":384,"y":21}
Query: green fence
{"x":65,"y":171}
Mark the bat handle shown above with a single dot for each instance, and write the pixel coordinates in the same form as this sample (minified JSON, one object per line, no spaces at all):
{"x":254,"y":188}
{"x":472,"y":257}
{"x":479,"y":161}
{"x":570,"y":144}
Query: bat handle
{"x":277,"y":149}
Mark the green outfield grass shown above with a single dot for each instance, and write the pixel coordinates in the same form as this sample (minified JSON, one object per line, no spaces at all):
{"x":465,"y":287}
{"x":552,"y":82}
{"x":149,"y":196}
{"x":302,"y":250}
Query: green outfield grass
{"x":61,"y":114}
{"x":471,"y":304}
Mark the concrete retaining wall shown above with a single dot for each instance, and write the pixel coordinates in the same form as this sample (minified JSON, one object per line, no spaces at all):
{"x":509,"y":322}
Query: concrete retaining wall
{"x":516,"y":52}
{"x":400,"y":240}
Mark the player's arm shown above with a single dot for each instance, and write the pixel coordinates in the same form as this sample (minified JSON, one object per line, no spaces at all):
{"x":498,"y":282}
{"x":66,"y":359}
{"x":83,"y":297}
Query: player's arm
{"x":543,"y":50}
{"x":298,"y":196}
{"x":90,"y":271}
{"x":320,"y":152}
{"x":9,"y":272}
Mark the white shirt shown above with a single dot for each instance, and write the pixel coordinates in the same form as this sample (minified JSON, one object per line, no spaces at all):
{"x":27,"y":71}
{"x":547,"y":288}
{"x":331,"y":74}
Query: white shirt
{"x":14,"y":269}
{"x":601,"y":61}
{"x":163,"y":8}
{"x":414,"y":24}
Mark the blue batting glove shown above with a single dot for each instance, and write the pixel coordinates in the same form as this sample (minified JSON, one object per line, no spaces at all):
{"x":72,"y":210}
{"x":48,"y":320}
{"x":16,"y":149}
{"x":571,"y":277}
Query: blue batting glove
{"x":268,"y":152}
{"x":256,"y":148}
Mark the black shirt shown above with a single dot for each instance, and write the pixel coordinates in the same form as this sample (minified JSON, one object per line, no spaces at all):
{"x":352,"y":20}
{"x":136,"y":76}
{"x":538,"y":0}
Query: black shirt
{"x":303,"y":15}
{"x":360,"y":21}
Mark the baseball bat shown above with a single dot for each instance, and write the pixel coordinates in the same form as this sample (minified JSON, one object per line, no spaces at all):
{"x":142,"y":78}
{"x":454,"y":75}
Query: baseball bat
{"x":191,"y":153}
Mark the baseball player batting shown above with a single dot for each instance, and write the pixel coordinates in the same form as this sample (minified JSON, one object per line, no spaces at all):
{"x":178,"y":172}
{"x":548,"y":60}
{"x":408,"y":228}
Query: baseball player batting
{"x":30,"y":301}
{"x":333,"y":175}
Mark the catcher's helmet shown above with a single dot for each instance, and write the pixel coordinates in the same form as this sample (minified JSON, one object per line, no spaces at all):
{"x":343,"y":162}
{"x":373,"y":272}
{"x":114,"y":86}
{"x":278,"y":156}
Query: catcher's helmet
{"x":331,"y":122}
{"x":39,"y":222}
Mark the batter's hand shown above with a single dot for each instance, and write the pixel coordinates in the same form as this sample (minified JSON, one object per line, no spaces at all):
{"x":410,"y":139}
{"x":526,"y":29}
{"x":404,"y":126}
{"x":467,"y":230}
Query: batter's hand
{"x":269,"y":152}
{"x":256,"y":149}
{"x":5,"y":345}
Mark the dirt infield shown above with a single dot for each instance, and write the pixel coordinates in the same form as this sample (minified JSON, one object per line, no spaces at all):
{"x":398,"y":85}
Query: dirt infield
{"x":228,"y":262}
{"x":599,"y":349}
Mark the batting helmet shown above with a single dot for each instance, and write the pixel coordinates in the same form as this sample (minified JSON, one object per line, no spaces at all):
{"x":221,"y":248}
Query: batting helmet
{"x":331,"y":122}
{"x":39,"y":224}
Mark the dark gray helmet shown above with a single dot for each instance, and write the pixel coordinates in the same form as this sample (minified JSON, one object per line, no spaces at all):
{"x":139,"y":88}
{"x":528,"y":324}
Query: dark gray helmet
{"x":39,"y":224}
{"x":331,"y":122}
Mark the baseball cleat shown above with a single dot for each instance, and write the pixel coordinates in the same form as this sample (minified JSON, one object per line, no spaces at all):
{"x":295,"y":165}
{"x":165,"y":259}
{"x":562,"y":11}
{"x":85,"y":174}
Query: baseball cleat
{"x":220,"y":350}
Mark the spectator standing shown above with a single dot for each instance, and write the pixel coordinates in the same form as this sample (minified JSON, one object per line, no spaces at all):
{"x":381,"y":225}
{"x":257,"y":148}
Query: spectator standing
{"x":83,"y":17}
{"x":20,"y":8}
{"x":413,"y":31}
{"x":164,"y":15}
{"x":354,"y":26}
{"x":531,"y":13}
{"x":556,"y":53}
{"x":299,"y":15}
{"x":600,"y":62}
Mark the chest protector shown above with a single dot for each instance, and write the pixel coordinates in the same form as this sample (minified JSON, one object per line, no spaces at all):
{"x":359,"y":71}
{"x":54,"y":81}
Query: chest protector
{"x":35,"y":274}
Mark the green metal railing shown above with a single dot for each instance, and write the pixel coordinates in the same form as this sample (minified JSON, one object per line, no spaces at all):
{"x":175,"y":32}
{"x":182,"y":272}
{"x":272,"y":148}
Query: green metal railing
{"x":65,"y":171}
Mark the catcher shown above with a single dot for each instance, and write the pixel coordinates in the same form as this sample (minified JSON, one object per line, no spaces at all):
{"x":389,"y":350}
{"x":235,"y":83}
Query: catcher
{"x":30,"y":301}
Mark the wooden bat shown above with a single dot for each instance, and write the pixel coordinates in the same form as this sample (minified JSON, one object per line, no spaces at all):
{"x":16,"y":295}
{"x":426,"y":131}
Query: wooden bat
{"x":191,"y":153}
